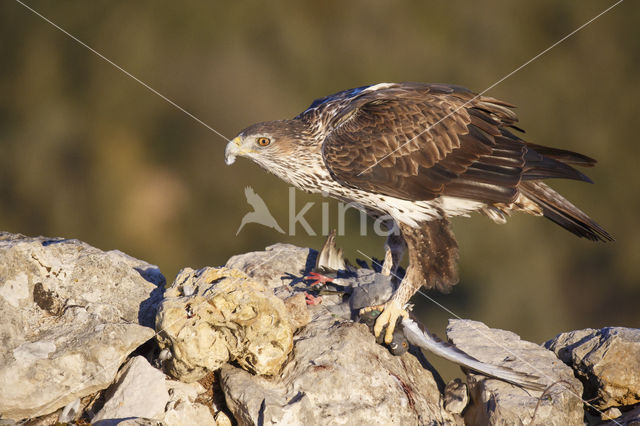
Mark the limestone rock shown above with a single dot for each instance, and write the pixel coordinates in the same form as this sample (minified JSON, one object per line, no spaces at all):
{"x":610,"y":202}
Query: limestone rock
{"x":606,"y":360}
{"x":213,"y":316}
{"x":456,"y":396}
{"x":180,"y":391}
{"x":182,"y":408}
{"x":628,"y":418}
{"x":496,"y":402}
{"x":71,"y":315}
{"x":135,"y":421}
{"x":189,"y":414}
{"x":282,"y":267}
{"x":611,"y":413}
{"x":277,"y":266}
{"x":337,"y":375}
{"x":299,"y":315}
{"x":222,"y":419}
{"x":139,"y":391}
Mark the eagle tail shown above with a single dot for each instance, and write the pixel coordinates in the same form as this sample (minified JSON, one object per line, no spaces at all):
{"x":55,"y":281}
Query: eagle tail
{"x":559,"y":210}
{"x":563,"y":155}
{"x":542,"y":162}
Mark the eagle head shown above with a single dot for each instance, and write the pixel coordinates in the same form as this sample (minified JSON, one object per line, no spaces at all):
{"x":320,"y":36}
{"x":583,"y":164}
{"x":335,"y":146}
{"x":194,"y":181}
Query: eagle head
{"x":269,"y":144}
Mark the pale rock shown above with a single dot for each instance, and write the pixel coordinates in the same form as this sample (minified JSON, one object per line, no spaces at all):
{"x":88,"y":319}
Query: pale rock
{"x":182,"y":408}
{"x":627,"y":418}
{"x":278,"y":265}
{"x":222,"y":419}
{"x":142,"y":392}
{"x":180,"y":391}
{"x":299,"y":314}
{"x":456,"y":396}
{"x":283,"y":267}
{"x":606,"y":360}
{"x":70,"y":316}
{"x":495,"y":402}
{"x":139,"y":391}
{"x":46,"y":420}
{"x":135,"y":421}
{"x":337,"y":375}
{"x":183,"y":413}
{"x":227,"y":317}
{"x":611,"y":413}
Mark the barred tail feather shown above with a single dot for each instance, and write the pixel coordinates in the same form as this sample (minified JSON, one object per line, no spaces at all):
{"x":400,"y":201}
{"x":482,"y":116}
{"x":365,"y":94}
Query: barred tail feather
{"x":559,"y":210}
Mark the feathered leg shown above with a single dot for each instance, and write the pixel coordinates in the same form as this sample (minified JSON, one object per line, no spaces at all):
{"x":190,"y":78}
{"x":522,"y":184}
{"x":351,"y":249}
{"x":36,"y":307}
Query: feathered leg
{"x":394,"y":249}
{"x":433,"y":255}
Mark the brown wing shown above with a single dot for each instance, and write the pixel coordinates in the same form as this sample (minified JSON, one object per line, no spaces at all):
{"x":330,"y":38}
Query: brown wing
{"x":416,"y":142}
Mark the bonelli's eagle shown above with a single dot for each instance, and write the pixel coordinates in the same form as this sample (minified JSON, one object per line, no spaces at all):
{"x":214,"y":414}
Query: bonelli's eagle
{"x":419,"y":154}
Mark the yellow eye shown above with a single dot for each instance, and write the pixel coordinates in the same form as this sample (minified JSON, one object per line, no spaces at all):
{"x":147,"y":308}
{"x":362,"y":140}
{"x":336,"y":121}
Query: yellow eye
{"x":263,"y":141}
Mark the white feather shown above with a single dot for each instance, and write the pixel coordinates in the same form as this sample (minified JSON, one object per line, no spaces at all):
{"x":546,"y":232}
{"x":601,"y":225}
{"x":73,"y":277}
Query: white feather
{"x":378,"y":87}
{"x":454,"y":206}
{"x":426,"y":340}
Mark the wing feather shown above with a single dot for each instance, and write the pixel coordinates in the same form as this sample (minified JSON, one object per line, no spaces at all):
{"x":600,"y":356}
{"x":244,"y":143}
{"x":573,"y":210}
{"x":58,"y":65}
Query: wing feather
{"x":419,"y":141}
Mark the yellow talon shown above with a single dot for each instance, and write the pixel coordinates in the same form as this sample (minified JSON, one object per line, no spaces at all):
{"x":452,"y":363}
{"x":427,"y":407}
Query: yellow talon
{"x":391,"y":311}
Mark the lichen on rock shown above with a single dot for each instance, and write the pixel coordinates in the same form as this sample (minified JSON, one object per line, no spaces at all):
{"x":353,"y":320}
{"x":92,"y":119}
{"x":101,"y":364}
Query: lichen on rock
{"x":215,"y":315}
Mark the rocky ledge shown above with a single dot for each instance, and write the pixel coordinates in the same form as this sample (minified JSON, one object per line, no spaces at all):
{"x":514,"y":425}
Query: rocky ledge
{"x":97,"y":337}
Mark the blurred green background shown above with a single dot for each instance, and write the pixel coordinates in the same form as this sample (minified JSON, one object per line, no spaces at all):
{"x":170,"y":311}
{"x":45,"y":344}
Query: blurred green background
{"x":88,"y":153}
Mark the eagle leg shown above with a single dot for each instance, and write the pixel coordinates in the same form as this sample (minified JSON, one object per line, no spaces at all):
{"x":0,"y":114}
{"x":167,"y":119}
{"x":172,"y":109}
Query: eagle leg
{"x":387,"y":265}
{"x":394,"y":249}
{"x":433,"y":253}
{"x":391,"y":311}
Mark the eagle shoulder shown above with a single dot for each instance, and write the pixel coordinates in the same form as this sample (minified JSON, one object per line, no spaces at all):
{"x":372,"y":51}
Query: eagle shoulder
{"x":419,"y":141}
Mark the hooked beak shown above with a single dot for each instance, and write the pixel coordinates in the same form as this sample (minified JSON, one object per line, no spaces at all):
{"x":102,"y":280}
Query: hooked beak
{"x":231,"y":151}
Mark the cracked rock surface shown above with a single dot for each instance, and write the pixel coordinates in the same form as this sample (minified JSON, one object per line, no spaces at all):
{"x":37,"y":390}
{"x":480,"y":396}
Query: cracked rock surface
{"x":338,"y":375}
{"x":606,"y":360}
{"x":76,"y":329}
{"x":71,"y":314}
{"x":496,"y":402}
{"x":142,"y":391}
